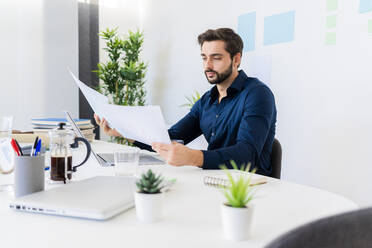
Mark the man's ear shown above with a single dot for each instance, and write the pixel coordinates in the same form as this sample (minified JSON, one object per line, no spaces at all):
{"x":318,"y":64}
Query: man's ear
{"x":237,"y":59}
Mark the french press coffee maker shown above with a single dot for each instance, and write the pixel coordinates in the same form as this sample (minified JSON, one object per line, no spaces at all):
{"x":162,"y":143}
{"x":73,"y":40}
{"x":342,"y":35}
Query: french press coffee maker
{"x":62,"y":141}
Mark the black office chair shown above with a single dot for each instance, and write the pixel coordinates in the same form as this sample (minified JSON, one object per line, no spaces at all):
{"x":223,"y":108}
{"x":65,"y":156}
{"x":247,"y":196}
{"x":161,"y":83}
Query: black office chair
{"x":276,"y":159}
{"x":352,"y":229}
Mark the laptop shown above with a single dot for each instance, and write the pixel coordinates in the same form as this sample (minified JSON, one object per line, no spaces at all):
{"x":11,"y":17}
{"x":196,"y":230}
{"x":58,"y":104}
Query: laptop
{"x":104,"y":197}
{"x":107,"y":159}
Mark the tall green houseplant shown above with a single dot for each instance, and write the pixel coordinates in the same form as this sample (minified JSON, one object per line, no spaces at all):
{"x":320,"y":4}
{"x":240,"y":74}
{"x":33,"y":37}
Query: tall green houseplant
{"x":123,"y":75}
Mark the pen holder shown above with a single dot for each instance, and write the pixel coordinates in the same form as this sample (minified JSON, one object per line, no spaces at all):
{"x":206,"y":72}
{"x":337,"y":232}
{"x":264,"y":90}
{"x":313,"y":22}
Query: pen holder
{"x":28,"y":174}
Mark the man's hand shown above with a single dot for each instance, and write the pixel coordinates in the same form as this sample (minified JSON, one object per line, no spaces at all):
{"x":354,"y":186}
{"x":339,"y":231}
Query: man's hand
{"x":106,"y":128}
{"x":177,"y":154}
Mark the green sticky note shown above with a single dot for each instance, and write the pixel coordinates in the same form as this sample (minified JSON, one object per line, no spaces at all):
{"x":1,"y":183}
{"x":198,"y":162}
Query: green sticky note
{"x":331,"y":21}
{"x":332,"y":5}
{"x":370,"y":26}
{"x":330,"y":38}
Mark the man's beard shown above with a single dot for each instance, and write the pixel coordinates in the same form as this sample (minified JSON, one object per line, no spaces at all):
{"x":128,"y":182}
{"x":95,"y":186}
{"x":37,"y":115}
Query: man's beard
{"x":220,"y":77}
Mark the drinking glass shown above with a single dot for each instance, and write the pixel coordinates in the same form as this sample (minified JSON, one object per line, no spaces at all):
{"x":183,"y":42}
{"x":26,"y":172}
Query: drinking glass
{"x":126,"y":161}
{"x":6,"y":154}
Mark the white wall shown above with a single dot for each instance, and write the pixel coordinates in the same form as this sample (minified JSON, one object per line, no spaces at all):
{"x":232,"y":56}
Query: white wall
{"x":39,"y":41}
{"x":322,"y":91}
{"x":175,"y":68}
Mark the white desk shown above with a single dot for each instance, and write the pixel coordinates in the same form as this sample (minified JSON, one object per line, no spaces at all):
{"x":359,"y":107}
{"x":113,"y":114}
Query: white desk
{"x":192,"y":215}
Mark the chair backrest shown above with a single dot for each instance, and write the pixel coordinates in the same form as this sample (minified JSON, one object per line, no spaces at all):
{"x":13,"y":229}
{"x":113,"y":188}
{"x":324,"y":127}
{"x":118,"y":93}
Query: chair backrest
{"x":352,"y":229}
{"x":276,"y":159}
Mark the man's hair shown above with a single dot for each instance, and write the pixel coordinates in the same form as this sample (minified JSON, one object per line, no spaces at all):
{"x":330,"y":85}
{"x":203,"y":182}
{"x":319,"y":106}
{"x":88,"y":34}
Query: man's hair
{"x":233,"y":42}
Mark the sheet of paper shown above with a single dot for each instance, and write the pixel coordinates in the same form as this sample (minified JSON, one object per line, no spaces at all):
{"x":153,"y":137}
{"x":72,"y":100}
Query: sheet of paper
{"x":142,"y":123}
{"x":95,"y":99}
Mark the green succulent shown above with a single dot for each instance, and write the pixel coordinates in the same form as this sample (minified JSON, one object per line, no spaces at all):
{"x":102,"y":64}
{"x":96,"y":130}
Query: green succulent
{"x":239,"y":192}
{"x":149,"y":183}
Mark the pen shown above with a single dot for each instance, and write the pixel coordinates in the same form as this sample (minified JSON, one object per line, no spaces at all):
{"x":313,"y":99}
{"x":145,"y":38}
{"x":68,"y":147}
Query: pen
{"x":34,"y":146}
{"x":19,"y":147}
{"x":38,"y":147}
{"x":15,"y":148}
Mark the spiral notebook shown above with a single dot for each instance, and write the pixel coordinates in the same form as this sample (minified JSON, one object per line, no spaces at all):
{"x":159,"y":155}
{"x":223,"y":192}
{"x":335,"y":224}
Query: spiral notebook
{"x":223,"y":182}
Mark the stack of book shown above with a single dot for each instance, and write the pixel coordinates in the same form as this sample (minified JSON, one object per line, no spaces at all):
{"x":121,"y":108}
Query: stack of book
{"x":43,"y":125}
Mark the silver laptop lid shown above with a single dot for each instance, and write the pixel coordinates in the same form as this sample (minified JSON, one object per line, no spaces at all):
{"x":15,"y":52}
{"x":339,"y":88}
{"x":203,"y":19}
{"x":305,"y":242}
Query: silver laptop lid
{"x":95,"y":198}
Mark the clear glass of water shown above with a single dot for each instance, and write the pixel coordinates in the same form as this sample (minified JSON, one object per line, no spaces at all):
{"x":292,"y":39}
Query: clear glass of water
{"x":126,"y":161}
{"x":6,"y":164}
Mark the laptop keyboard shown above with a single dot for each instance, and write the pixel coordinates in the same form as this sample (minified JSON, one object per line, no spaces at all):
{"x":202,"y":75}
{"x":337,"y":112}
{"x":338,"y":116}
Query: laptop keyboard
{"x":144,"y":159}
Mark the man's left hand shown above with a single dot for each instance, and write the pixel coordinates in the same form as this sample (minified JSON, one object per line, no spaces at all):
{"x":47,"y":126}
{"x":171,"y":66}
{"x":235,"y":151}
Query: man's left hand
{"x":177,"y":154}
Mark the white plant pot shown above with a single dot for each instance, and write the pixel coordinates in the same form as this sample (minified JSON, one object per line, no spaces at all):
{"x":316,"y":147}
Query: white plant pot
{"x":236,"y":222}
{"x":149,"y":207}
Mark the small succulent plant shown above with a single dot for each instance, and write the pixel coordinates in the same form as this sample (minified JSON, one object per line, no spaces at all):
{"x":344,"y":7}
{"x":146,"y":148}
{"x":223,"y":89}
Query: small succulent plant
{"x":239,"y":193}
{"x":150,"y":183}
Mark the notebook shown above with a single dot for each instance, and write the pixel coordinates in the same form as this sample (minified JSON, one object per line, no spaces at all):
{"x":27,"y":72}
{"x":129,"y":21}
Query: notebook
{"x":104,"y":197}
{"x":223,"y":182}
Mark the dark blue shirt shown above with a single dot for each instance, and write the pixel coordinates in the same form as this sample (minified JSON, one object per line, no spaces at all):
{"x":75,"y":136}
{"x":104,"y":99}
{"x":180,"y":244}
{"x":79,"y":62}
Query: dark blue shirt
{"x":241,"y":127}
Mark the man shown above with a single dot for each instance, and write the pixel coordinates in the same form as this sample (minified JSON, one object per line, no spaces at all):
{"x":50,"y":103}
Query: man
{"x":237,"y":116}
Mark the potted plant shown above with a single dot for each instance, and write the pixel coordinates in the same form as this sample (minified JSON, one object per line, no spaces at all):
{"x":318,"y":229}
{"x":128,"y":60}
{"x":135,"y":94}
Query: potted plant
{"x":149,"y":198}
{"x":123,"y":74}
{"x":237,"y":211}
{"x":191,"y":100}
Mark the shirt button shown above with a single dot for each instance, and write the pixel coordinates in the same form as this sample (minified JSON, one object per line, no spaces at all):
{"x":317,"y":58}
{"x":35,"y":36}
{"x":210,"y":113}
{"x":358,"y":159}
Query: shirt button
{"x":212,"y":134}
{"x":217,"y":116}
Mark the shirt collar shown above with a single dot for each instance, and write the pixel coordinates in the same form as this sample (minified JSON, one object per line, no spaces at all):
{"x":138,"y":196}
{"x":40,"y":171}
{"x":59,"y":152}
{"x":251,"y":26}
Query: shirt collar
{"x":237,"y":86}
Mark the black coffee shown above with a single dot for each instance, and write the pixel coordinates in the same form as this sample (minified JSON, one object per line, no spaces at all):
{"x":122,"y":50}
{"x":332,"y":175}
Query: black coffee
{"x":57,"y":168}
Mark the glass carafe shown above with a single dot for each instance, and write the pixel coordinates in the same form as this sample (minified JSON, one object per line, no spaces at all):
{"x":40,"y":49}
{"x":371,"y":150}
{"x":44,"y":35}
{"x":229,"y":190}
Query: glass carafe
{"x":61,"y":158}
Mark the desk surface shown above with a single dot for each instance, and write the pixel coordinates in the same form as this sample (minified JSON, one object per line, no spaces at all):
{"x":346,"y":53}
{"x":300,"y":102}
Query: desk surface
{"x":192,"y":215}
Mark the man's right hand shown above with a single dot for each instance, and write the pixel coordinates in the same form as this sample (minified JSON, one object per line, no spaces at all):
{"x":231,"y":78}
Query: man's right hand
{"x":106,"y":128}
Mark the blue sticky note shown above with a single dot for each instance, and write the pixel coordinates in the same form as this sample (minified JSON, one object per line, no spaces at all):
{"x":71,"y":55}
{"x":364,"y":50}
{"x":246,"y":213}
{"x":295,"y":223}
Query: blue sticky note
{"x":247,"y":30}
{"x":279,"y":28}
{"x":365,"y":6}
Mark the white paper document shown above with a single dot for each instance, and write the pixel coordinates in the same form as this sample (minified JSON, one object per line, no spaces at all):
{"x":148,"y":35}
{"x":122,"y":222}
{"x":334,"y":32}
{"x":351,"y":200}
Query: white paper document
{"x":141,"y":123}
